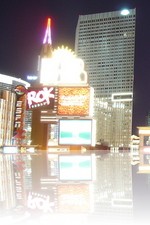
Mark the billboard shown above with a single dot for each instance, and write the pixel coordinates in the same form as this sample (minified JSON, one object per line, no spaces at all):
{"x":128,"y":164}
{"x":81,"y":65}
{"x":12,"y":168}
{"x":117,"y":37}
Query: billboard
{"x":76,"y":132}
{"x":76,"y":167}
{"x":75,"y":101}
{"x":40,"y":97}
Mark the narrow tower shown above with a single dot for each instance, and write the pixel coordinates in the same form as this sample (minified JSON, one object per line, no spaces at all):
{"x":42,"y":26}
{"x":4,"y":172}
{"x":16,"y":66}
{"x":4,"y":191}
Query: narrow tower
{"x":47,"y":41}
{"x":40,"y":137}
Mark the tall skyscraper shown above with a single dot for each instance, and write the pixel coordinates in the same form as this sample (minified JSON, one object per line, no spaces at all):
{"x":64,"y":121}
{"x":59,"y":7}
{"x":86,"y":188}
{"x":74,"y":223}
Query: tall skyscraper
{"x":105,"y":41}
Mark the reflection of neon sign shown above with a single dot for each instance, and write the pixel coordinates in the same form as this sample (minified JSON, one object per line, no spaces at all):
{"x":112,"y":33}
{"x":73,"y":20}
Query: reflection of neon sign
{"x":40,"y":202}
{"x":18,"y":166}
{"x":40,"y":97}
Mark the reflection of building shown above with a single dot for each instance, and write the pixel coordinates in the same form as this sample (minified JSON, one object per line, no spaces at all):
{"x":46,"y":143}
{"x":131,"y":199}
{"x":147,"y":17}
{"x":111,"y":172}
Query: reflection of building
{"x":105,"y":41}
{"x":9,"y":114}
{"x":134,"y":149}
{"x":113,"y":188}
{"x":144,"y":149}
{"x":15,"y":179}
{"x":109,"y":194}
{"x":115,"y":196}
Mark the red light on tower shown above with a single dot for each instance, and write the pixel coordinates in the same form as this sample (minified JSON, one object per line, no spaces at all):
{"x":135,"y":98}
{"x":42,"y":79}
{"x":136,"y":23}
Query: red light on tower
{"x":47,"y":41}
{"x":47,"y":38}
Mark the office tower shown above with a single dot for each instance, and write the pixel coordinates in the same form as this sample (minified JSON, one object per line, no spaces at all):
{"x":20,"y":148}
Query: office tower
{"x":105,"y":41}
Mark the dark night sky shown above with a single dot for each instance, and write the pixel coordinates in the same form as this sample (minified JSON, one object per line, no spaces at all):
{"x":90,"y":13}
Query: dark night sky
{"x":22,"y":26}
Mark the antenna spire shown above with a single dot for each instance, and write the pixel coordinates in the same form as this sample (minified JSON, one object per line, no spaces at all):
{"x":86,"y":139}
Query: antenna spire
{"x":47,"y":38}
{"x":47,"y":41}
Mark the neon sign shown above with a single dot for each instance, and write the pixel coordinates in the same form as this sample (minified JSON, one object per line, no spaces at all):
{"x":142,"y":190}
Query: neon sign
{"x":47,"y":37}
{"x":62,"y":68}
{"x":40,"y":97}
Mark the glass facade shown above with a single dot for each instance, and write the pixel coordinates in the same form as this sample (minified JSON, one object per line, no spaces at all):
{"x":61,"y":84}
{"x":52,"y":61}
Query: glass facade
{"x":105,"y":41}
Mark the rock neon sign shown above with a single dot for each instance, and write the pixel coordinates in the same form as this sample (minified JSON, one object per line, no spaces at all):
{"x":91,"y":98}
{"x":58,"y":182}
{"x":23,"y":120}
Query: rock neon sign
{"x":40,"y":97}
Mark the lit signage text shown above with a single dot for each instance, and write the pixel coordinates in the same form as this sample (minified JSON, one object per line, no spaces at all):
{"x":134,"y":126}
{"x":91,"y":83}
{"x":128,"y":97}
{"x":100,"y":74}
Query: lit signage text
{"x":40,"y":97}
{"x":18,"y":114}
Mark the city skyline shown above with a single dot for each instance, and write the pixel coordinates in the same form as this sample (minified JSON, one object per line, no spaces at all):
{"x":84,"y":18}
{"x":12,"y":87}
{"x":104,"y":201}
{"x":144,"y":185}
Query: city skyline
{"x":23,"y":29}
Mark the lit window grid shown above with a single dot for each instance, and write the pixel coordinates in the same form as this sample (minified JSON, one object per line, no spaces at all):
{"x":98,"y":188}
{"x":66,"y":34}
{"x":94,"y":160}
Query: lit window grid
{"x":105,"y":42}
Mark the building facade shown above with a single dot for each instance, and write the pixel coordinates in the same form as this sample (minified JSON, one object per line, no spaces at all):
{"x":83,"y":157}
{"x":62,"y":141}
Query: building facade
{"x":105,"y":41}
{"x":9,"y":112}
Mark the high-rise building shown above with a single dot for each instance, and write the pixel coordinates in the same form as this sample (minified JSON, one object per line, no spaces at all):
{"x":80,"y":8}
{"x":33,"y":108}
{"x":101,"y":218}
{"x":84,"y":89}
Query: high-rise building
{"x":105,"y":41}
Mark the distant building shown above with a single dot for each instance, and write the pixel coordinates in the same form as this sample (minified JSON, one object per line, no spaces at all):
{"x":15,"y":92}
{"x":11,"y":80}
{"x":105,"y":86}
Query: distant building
{"x":105,"y":41}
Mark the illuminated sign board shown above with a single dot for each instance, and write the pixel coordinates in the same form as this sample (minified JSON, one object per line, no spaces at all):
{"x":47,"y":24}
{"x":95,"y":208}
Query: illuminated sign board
{"x":76,"y":132}
{"x":42,"y":97}
{"x":75,"y":101}
{"x":62,"y":68}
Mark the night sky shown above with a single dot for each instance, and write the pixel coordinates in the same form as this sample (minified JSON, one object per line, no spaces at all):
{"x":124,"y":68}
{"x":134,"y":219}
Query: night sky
{"x":22,"y":28}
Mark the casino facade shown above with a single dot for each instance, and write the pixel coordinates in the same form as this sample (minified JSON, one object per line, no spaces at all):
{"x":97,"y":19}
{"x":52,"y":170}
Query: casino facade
{"x":12,"y":108}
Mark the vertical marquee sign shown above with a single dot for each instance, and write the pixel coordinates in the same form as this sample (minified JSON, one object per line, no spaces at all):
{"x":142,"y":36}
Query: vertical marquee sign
{"x":20,"y":108}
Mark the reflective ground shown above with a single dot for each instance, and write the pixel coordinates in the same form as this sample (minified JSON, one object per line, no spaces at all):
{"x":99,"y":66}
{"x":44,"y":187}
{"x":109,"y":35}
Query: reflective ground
{"x":96,"y":187}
